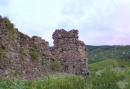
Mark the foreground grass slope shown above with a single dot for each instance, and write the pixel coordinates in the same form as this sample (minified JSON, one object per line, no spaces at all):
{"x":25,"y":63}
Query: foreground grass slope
{"x":107,"y":74}
{"x":110,"y":74}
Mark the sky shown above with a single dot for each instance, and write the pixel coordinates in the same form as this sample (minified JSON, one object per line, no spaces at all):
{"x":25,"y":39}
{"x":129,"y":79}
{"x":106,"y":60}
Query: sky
{"x":100,"y":22}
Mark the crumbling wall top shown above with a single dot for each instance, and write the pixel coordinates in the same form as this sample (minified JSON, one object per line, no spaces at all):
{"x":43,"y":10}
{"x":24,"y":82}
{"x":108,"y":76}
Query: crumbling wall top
{"x":61,"y":33}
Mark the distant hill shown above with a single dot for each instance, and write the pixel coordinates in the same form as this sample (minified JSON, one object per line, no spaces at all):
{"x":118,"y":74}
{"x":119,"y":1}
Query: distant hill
{"x":99,"y":53}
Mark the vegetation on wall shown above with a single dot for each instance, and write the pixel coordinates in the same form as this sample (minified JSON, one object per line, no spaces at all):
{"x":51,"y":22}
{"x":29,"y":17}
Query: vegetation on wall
{"x":2,"y":53}
{"x":35,"y":55}
{"x":7,"y":22}
{"x":24,"y":51}
{"x":13,"y":31}
{"x":55,"y":66}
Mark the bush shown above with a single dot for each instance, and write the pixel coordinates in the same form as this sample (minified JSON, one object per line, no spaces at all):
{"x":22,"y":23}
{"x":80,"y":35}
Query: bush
{"x":55,"y":66}
{"x":7,"y":22}
{"x":13,"y":34}
{"x":35,"y":55}
{"x":13,"y":31}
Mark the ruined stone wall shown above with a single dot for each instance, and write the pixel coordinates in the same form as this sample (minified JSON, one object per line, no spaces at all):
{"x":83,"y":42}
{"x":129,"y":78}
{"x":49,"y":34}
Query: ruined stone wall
{"x":20,"y":55}
{"x":31,"y":57}
{"x":70,"y":51}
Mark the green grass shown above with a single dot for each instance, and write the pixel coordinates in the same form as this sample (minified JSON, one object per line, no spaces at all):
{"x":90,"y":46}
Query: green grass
{"x":107,"y":74}
{"x":110,"y":73}
{"x":51,"y":82}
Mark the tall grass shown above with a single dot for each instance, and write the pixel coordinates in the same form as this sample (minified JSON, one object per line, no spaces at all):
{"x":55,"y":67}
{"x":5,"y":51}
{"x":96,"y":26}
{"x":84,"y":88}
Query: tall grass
{"x":102,"y":78}
{"x":107,"y":80}
{"x":64,"y":82}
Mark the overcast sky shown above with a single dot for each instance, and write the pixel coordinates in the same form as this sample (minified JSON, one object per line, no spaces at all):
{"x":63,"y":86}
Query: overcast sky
{"x":100,"y":22}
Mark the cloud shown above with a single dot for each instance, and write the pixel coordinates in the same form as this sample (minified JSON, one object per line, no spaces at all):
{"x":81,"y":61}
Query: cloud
{"x":106,"y":23}
{"x":3,"y":7}
{"x":4,"y":3}
{"x":99,"y":22}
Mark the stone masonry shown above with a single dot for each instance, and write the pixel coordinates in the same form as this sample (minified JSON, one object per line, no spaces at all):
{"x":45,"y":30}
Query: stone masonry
{"x":70,"y":51}
{"x":27,"y":57}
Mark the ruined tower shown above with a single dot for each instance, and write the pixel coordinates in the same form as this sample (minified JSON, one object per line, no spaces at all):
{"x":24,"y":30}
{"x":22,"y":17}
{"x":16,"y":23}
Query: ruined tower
{"x":70,"y":51}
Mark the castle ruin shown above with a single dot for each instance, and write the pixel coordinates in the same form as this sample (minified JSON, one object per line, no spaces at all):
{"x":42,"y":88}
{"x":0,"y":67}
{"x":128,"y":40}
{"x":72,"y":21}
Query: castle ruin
{"x":32,"y":58}
{"x":70,"y":51}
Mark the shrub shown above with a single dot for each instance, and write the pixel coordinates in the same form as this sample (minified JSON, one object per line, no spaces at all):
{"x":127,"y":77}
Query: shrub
{"x":12,"y":34}
{"x":7,"y":22}
{"x":13,"y":31}
{"x":35,"y":55}
{"x":55,"y":66}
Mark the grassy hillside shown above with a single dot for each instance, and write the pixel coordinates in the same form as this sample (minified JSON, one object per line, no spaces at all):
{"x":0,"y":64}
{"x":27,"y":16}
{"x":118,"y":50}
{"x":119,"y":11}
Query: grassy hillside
{"x":99,"y":53}
{"x":107,"y":74}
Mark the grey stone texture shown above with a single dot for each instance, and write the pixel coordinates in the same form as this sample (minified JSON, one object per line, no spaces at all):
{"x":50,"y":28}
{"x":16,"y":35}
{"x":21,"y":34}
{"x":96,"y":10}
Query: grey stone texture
{"x":27,"y":57}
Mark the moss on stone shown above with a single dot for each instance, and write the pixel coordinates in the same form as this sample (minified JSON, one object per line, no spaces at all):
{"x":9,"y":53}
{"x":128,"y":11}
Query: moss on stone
{"x":35,"y":55}
{"x":2,"y":53}
{"x":24,"y":51}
